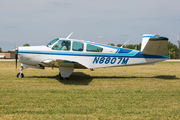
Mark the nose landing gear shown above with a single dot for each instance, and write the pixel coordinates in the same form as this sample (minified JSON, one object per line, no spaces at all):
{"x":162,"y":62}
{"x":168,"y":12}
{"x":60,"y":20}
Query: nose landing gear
{"x":20,"y":74}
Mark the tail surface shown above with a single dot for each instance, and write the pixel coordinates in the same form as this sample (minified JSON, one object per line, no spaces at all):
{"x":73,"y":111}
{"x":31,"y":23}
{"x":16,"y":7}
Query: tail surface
{"x":154,"y":45}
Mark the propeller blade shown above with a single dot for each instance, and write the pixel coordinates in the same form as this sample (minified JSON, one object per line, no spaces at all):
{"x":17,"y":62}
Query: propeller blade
{"x":15,"y":51}
{"x":16,"y":57}
{"x":17,"y":44}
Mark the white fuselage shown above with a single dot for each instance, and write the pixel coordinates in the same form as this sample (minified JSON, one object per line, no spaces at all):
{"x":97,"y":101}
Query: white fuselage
{"x":109,"y":57}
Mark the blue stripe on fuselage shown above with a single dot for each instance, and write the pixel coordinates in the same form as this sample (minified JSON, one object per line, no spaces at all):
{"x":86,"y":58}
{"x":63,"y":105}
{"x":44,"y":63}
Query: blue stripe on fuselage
{"x":132,"y":54}
{"x":140,"y":55}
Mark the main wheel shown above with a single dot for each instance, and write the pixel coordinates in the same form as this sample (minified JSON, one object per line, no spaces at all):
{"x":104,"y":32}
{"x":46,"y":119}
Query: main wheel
{"x":66,"y":78}
{"x":63,"y":78}
{"x":20,"y":75}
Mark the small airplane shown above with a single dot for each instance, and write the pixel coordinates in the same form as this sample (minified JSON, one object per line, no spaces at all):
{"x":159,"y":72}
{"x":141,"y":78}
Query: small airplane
{"x":69,"y":54}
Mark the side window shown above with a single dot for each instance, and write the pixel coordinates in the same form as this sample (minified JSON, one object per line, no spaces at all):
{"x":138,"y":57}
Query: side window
{"x":62,"y":45}
{"x":93,"y":48}
{"x":77,"y":46}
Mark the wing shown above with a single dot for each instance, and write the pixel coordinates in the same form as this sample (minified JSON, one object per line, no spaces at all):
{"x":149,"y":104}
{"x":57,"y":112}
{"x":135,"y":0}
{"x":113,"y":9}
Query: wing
{"x":59,"y":62}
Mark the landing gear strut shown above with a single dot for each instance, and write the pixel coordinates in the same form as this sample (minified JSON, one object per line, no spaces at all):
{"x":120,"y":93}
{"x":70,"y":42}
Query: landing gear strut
{"x":63,"y":78}
{"x":20,"y":74}
{"x":65,"y":70}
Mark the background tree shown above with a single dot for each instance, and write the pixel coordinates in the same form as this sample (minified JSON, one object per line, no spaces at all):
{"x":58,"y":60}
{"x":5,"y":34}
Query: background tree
{"x":173,"y":51}
{"x":0,"y":49}
{"x":26,"y":44}
{"x":111,"y":44}
{"x":136,"y":46}
{"x":130,"y":46}
{"x":119,"y":45}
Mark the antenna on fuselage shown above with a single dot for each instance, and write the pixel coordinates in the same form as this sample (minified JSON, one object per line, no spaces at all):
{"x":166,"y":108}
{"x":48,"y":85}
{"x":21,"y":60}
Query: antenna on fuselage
{"x":124,"y":44}
{"x":69,"y":36}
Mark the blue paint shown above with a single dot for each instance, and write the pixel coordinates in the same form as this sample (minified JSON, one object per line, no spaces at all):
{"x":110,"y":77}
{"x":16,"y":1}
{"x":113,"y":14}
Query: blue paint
{"x":145,"y":36}
{"x":101,"y":60}
{"x":96,"y":59}
{"x":108,"y":60}
{"x":120,"y":59}
{"x":113,"y":60}
{"x":125,"y":60}
{"x":132,"y":54}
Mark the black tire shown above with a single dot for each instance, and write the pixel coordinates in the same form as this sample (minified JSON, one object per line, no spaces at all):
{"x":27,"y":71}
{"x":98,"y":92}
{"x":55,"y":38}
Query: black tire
{"x":66,"y":78}
{"x":59,"y":74}
{"x":63,"y":78}
{"x":20,"y":75}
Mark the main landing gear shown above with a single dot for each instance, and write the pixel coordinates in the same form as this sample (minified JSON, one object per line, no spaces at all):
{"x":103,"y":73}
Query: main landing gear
{"x":63,"y":78}
{"x":65,"y":70}
{"x":20,"y":74}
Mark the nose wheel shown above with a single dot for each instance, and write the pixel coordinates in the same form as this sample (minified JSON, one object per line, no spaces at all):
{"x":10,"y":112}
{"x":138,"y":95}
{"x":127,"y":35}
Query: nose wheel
{"x":20,"y":74}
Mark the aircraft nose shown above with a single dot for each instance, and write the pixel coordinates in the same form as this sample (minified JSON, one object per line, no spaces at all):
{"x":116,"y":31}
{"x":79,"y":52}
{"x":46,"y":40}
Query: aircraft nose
{"x":14,"y":50}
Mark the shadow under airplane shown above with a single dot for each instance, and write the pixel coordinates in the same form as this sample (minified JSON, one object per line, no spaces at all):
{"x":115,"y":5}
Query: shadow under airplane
{"x":79,"y":78}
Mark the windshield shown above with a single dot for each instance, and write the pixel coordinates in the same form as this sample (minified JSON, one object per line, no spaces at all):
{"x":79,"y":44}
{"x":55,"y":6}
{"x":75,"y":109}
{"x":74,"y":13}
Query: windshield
{"x":52,"y":42}
{"x":62,"y":45}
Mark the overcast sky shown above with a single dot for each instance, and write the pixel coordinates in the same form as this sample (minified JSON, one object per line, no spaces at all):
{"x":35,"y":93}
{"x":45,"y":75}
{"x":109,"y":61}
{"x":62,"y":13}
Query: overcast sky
{"x":37,"y":22}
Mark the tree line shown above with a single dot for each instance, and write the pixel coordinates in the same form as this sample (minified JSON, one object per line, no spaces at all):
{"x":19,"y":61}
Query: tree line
{"x":173,"y":50}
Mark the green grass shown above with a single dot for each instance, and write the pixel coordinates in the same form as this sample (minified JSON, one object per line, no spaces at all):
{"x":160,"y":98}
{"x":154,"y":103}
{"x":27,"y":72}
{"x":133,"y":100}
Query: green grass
{"x":133,"y":92}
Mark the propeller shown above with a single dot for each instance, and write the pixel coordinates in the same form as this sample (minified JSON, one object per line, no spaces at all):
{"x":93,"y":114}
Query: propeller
{"x":16,"y":55}
{"x":15,"y":51}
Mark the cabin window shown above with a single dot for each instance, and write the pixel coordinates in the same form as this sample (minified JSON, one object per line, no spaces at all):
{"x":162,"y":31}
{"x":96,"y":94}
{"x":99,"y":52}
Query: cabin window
{"x":62,"y":45}
{"x":52,"y":42}
{"x":93,"y":48}
{"x":77,"y":46}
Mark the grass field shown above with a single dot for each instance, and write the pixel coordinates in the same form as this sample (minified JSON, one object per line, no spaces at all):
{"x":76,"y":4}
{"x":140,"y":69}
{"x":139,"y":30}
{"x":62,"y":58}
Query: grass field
{"x":134,"y":92}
